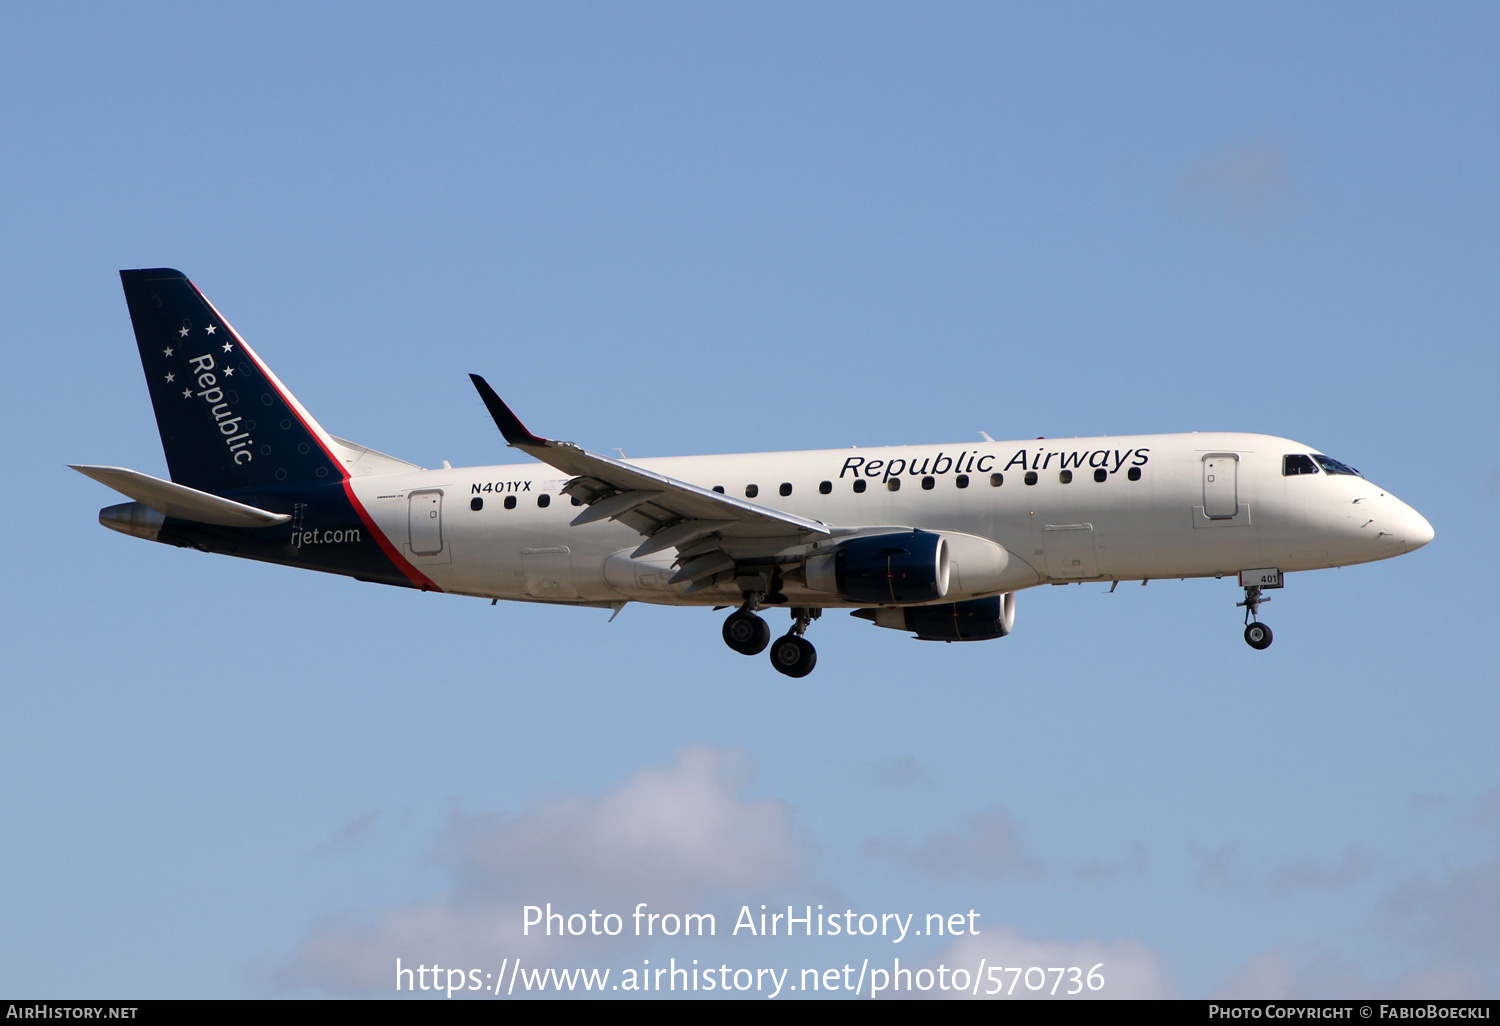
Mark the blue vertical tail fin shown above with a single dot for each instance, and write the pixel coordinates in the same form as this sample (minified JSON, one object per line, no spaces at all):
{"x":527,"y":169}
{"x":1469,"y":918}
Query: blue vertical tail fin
{"x":226,"y":422}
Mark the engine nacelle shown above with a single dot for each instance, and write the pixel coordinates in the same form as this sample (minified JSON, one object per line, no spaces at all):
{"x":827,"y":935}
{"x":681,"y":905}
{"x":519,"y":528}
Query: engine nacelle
{"x":975,"y":620}
{"x":134,"y":518}
{"x":917,"y":566}
{"x":890,"y":569}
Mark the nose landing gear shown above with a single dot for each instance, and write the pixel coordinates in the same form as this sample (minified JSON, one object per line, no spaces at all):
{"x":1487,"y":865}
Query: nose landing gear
{"x":792,"y":654}
{"x":1257,"y":635}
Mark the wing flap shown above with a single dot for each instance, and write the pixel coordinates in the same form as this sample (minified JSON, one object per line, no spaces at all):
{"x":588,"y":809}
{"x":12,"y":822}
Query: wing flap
{"x":679,"y":536}
{"x":614,"y":506}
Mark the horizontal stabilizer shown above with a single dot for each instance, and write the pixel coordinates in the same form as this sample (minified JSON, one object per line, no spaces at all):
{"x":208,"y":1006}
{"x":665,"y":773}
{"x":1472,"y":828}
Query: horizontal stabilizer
{"x":180,"y":501}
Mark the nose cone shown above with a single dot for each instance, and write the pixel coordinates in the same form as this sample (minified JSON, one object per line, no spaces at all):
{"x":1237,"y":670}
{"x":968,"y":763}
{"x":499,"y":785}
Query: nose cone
{"x":1377,"y":525}
{"x":1416,"y":531}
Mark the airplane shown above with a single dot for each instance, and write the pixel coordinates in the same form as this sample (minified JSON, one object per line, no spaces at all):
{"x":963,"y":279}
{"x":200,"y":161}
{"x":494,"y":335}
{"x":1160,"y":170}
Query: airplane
{"x":934,"y":540}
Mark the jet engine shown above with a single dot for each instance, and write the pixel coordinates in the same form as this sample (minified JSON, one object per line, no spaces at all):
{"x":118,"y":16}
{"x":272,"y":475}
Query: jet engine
{"x":912,"y":567}
{"x":974,"y":620}
{"x":884,"y":568}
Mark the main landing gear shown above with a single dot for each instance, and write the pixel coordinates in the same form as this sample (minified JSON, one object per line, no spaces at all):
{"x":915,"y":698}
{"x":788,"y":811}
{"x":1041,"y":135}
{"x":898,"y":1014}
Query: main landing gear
{"x":745,"y":632}
{"x":1257,"y":634}
{"x":791,"y":654}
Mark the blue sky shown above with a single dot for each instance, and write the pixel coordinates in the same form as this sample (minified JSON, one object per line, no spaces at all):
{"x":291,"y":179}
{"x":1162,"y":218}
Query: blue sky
{"x":685,"y":229}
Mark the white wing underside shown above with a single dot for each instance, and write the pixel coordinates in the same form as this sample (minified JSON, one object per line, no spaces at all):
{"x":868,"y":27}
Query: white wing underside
{"x":713,"y":533}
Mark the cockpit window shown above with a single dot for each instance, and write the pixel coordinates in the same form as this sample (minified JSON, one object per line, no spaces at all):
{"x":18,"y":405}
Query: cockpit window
{"x":1296,"y":464}
{"x":1333,"y":466}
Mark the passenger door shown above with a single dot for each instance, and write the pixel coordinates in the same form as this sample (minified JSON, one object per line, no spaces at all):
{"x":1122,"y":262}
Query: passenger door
{"x":1221,"y":485}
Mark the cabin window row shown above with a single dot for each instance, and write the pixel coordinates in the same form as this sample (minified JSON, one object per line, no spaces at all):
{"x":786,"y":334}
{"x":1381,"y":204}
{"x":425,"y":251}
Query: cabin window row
{"x":543,"y":501}
{"x":929,"y":483}
{"x":894,"y":485}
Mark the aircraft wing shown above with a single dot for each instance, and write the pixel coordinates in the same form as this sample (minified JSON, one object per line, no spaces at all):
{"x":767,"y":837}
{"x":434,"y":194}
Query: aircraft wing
{"x":708,"y":528}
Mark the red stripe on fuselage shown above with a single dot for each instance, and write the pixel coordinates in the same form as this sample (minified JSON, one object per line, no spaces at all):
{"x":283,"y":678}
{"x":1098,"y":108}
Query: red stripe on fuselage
{"x":418,"y":578}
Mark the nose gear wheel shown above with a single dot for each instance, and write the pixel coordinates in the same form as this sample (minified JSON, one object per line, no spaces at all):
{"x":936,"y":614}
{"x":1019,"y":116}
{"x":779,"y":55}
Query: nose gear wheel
{"x":1257,"y":635}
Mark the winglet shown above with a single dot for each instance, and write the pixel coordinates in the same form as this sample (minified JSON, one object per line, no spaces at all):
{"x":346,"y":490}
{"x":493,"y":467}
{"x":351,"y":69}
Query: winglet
{"x":509,"y":424}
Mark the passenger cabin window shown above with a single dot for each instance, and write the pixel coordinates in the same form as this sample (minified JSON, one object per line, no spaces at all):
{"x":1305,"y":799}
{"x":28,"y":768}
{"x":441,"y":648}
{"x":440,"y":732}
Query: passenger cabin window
{"x":1333,"y":466}
{"x":1101,"y":475}
{"x":1134,"y":473}
{"x":927,"y":483}
{"x":751,"y":491}
{"x":510,"y":502}
{"x":961,"y":481}
{"x":476,"y":504}
{"x":824,"y":487}
{"x":996,"y":480}
{"x":894,"y":484}
{"x":1296,"y":464}
{"x":544,"y":501}
{"x":859,"y":484}
{"x":719,"y":489}
{"x":1065,"y":476}
{"x":1030,"y":477}
{"x":786,"y":488}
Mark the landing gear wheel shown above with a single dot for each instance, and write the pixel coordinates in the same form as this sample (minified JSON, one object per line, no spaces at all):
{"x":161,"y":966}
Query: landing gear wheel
{"x":793,"y":656}
{"x":746,"y":633}
{"x":1258,"y":636}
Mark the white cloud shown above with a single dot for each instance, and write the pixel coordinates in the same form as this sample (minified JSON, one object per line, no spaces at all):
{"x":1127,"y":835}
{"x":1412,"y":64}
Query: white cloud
{"x":1484,"y":817}
{"x":1312,"y":875}
{"x":1128,"y":969}
{"x":1426,"y":801}
{"x":1443,"y":981}
{"x":1101,"y":872}
{"x":1458,"y":915}
{"x":899,"y":774}
{"x":1247,"y":185}
{"x":1294,"y":973}
{"x":1222,"y":870}
{"x":672,"y":837}
{"x":356,"y":832}
{"x":989,"y":845}
{"x":1447,"y":929}
{"x":667,"y":835}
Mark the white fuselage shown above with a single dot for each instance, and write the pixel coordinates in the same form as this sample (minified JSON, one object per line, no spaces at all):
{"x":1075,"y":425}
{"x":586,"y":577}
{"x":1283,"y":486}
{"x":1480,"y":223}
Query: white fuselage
{"x":1207,"y":504}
